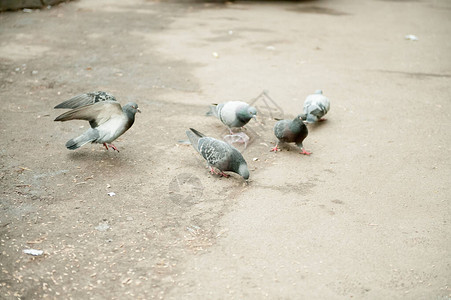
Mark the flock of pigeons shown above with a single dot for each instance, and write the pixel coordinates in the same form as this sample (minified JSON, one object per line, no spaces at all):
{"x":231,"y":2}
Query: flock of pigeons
{"x":109,"y":120}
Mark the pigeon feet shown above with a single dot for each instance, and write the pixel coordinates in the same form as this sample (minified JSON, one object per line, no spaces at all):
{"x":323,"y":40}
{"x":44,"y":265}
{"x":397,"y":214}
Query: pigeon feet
{"x":305,"y":152}
{"x":322,"y":120}
{"x":275,"y":149}
{"x":213,"y":171}
{"x":114,"y":147}
{"x":111,"y":145}
{"x":224,"y":174}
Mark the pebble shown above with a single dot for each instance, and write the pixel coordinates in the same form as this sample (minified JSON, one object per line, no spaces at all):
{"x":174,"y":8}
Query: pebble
{"x":102,"y":227}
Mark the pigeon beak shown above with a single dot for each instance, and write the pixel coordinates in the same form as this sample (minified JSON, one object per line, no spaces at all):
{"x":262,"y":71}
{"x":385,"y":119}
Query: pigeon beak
{"x":138,"y":110}
{"x":256,"y":119}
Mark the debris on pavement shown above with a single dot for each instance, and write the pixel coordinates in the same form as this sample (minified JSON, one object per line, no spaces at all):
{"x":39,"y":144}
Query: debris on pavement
{"x":239,"y":137}
{"x":411,"y":37}
{"x":33,"y":252}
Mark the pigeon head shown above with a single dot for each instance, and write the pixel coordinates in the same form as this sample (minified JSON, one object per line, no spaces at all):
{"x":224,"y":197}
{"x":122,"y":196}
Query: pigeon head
{"x":319,"y":92}
{"x":252,"y":112}
{"x":243,"y":170}
{"x":131,"y":108}
{"x":247,"y":113}
{"x":301,"y":117}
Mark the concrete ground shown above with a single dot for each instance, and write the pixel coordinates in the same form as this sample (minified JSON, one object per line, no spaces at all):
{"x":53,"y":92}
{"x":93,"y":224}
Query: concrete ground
{"x":366,"y":216}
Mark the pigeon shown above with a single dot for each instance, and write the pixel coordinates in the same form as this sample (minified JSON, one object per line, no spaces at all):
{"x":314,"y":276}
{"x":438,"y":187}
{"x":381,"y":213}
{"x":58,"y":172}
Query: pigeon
{"x":233,"y":113}
{"x":291,"y":131}
{"x":218,"y":154}
{"x":315,"y":107}
{"x":107,"y":118}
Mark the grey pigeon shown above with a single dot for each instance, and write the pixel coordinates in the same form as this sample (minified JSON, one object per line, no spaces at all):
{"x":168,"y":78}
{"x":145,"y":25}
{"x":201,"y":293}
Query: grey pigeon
{"x":107,"y":118}
{"x":218,"y":154}
{"x":291,"y":131}
{"x":233,"y":113}
{"x":315,"y":107}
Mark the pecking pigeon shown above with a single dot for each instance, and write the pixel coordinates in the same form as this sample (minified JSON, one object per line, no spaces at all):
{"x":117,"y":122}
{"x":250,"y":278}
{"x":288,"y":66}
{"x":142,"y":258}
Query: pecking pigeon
{"x":233,"y":113}
{"x":315,"y":107}
{"x":218,"y":154}
{"x":291,"y":131}
{"x":107,"y":118}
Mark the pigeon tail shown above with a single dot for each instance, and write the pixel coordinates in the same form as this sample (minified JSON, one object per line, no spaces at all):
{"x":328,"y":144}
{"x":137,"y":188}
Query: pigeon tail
{"x":194,"y":136}
{"x":213,"y":111}
{"x":89,"y":136}
{"x":199,"y":134}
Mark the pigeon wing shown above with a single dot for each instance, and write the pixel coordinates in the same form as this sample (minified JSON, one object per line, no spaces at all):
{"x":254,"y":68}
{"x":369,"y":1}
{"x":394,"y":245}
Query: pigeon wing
{"x":227,"y":113}
{"x":86,"y":99}
{"x":315,"y":110}
{"x":281,"y":129}
{"x":215,"y":152}
{"x":96,"y":114}
{"x":325,"y":104}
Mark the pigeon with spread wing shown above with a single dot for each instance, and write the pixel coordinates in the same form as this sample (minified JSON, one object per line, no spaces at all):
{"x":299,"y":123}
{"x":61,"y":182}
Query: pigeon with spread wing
{"x":107,"y":118}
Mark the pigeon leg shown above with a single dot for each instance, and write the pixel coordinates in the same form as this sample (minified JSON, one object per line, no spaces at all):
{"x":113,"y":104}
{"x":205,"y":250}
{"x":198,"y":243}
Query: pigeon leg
{"x":305,"y":152}
{"x":114,"y":147}
{"x":224,"y":174}
{"x":322,"y":119}
{"x":212,"y":171}
{"x":105,"y":145}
